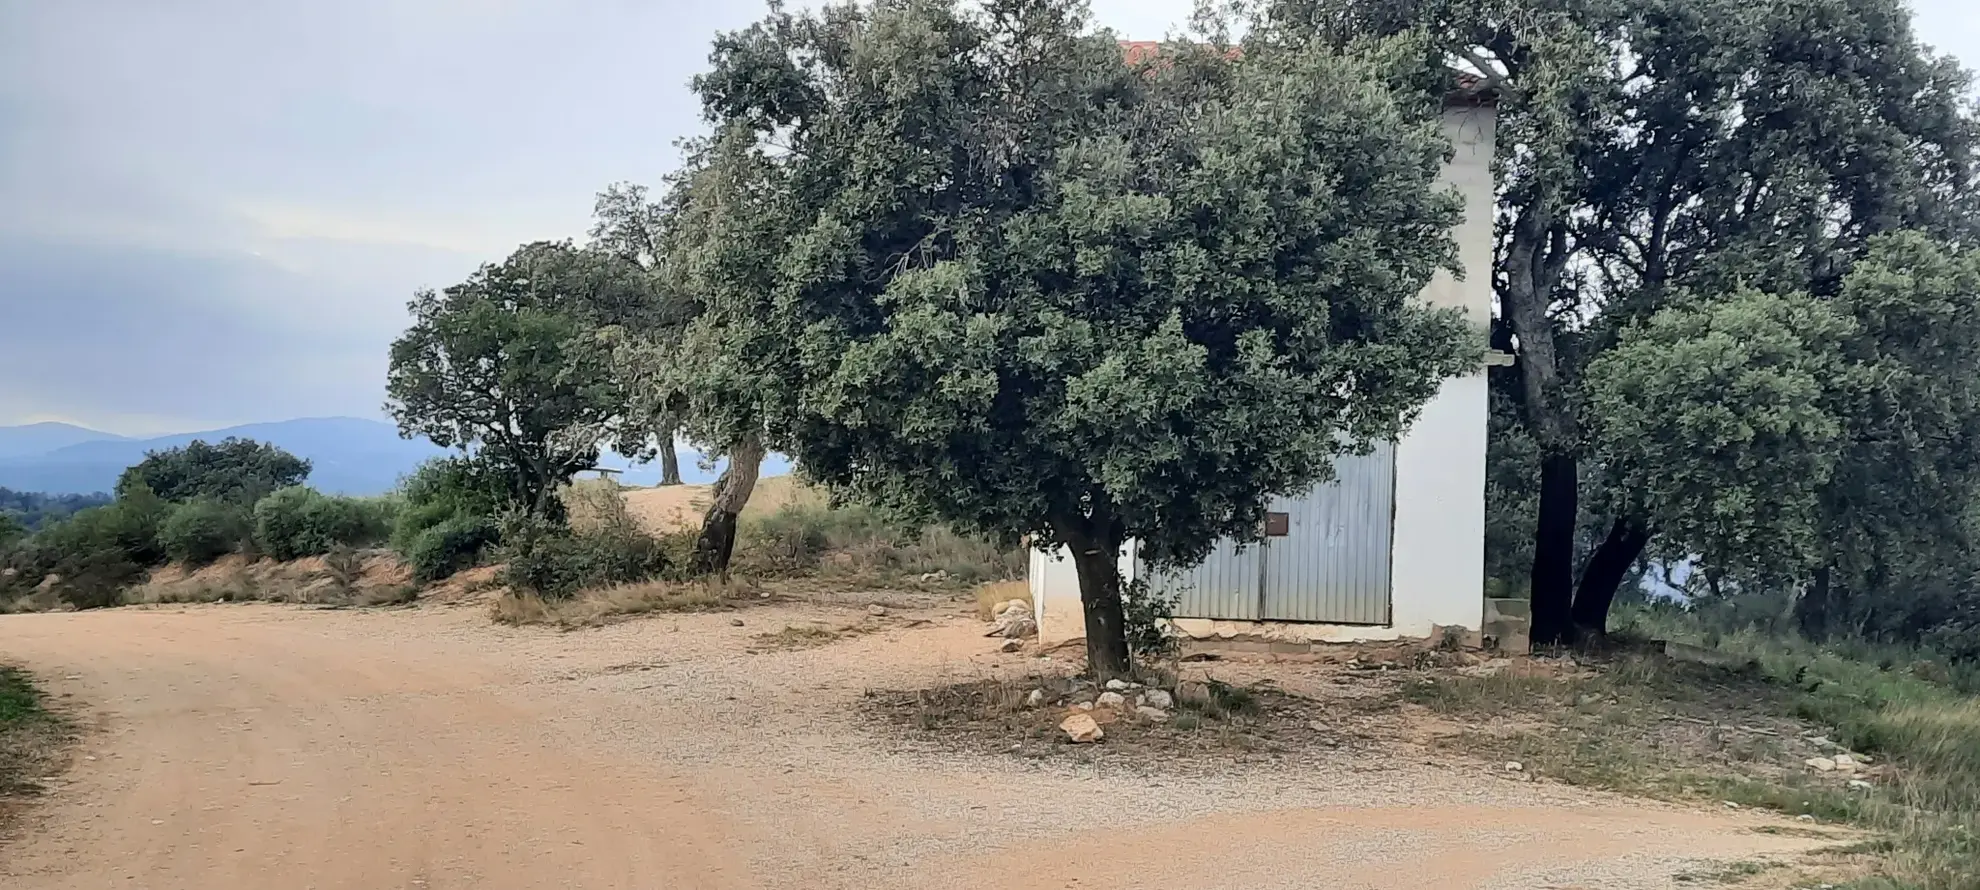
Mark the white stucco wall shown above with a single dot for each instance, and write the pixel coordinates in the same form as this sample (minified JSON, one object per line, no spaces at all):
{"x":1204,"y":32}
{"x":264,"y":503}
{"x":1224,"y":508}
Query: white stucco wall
{"x":1437,"y":574}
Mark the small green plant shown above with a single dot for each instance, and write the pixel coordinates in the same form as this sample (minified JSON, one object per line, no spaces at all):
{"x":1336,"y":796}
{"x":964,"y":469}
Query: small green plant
{"x":1148,"y":615}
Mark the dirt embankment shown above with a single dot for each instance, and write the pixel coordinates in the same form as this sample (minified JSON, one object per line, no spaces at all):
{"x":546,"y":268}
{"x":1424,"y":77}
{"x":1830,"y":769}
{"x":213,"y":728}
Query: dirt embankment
{"x":259,"y":746}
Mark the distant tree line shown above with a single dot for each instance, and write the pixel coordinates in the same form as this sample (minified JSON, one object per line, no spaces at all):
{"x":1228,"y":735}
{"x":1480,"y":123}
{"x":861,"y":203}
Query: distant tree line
{"x":30,"y":510}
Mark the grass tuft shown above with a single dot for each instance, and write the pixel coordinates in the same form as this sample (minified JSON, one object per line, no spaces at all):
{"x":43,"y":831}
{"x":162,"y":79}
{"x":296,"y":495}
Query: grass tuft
{"x":32,"y":738}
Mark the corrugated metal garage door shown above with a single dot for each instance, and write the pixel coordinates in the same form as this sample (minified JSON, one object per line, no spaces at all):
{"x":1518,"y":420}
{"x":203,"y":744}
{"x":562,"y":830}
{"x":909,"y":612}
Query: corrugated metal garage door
{"x":1331,"y":566}
{"x":1223,"y":585}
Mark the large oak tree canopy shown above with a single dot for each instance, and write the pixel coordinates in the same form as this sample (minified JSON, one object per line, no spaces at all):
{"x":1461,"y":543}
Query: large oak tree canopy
{"x":967,"y":262}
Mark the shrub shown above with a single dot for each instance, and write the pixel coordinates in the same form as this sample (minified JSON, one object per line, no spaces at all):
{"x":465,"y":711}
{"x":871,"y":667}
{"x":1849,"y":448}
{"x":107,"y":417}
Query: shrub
{"x":454,"y":544}
{"x":297,"y":522}
{"x":203,"y":530}
{"x":555,"y":562}
{"x":440,"y":490}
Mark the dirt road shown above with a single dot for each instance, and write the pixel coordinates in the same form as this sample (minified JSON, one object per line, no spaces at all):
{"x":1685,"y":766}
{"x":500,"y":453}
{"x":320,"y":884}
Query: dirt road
{"x":272,"y":747}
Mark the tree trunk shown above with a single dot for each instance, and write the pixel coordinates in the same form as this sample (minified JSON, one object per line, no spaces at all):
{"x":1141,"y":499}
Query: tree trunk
{"x":717,"y":541}
{"x":1098,"y":565}
{"x":1535,"y":257}
{"x":1812,"y":609}
{"x":1553,"y":552}
{"x":670,"y":460}
{"x":1604,"y":575}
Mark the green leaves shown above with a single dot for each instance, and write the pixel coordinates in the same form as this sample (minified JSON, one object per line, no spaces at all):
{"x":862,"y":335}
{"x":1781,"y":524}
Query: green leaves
{"x":510,"y":364}
{"x":969,"y":263}
{"x":1721,"y":419}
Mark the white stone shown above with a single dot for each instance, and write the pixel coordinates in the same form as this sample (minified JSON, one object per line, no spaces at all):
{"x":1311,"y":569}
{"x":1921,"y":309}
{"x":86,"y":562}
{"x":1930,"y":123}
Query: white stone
{"x":876,"y":610}
{"x":1111,"y":700}
{"x":1514,"y":766}
{"x":1082,"y":706}
{"x":1859,"y":785}
{"x":1147,"y":713}
{"x":1011,"y":646}
{"x":1158,"y":698}
{"x":1804,"y":817}
{"x":1821,"y":764}
{"x":1844,"y":762}
{"x":1117,"y":685}
{"x":1082,"y":729}
{"x":1036,"y":698}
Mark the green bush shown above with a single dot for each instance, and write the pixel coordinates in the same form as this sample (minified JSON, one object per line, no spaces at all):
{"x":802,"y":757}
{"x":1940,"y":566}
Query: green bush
{"x":298,"y":522}
{"x":555,"y":562}
{"x":454,"y":544}
{"x":440,"y":490}
{"x":203,"y":530}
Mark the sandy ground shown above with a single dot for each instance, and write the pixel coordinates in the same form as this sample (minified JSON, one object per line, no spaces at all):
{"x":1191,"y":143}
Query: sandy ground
{"x":253,"y":746}
{"x":666,"y":509}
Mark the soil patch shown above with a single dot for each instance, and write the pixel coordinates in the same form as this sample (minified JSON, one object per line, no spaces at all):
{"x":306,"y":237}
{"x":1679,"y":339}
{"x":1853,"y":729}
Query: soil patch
{"x":1221,"y":722}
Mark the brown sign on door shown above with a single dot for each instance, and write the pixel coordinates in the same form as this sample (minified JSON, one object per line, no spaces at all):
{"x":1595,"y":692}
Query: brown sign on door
{"x":1278,"y":525}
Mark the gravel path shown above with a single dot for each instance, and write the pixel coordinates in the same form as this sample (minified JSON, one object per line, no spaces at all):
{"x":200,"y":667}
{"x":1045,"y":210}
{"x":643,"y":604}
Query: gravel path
{"x":256,"y":746}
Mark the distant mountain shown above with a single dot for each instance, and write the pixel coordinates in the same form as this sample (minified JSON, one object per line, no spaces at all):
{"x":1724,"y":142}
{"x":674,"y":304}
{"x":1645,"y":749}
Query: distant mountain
{"x":41,"y":438}
{"x":347,"y":455}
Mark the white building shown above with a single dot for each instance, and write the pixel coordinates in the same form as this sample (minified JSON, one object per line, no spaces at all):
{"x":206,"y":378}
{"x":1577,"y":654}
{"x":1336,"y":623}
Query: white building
{"x":1395,"y":547}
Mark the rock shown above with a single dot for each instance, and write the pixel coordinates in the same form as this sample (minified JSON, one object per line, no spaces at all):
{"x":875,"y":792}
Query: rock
{"x":1316,"y":726}
{"x":1082,"y":706}
{"x":1081,"y":729}
{"x":1804,"y":817}
{"x":1111,"y":700}
{"x":1823,"y":743}
{"x":1117,"y":685}
{"x":936,"y":576}
{"x":1821,"y":764}
{"x":876,"y":610}
{"x":1008,"y":608}
{"x":1859,"y":785}
{"x":1158,"y":698}
{"x":1035,"y":699}
{"x":1514,"y":766}
{"x":1011,"y":646}
{"x":1147,"y":713}
{"x":1844,"y":763}
{"x":1731,"y":805}
{"x":1195,"y":692}
{"x":1019,"y":627}
{"x":735,"y":622}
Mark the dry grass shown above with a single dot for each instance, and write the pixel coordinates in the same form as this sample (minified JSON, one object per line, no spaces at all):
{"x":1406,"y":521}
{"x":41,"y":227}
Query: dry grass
{"x":989,"y":596}
{"x":33,"y":741}
{"x":361,"y":578}
{"x":666,"y":510}
{"x":1648,"y":726}
{"x":801,"y":636}
{"x":592,"y":608}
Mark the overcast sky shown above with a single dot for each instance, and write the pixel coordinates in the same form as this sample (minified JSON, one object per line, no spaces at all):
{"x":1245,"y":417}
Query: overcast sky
{"x":213,"y":211}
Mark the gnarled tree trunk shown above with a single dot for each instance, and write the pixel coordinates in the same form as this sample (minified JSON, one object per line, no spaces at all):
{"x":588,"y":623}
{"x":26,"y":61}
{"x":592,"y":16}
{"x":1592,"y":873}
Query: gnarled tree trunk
{"x":1604,"y":574}
{"x":717,"y":541}
{"x":1535,"y":256}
